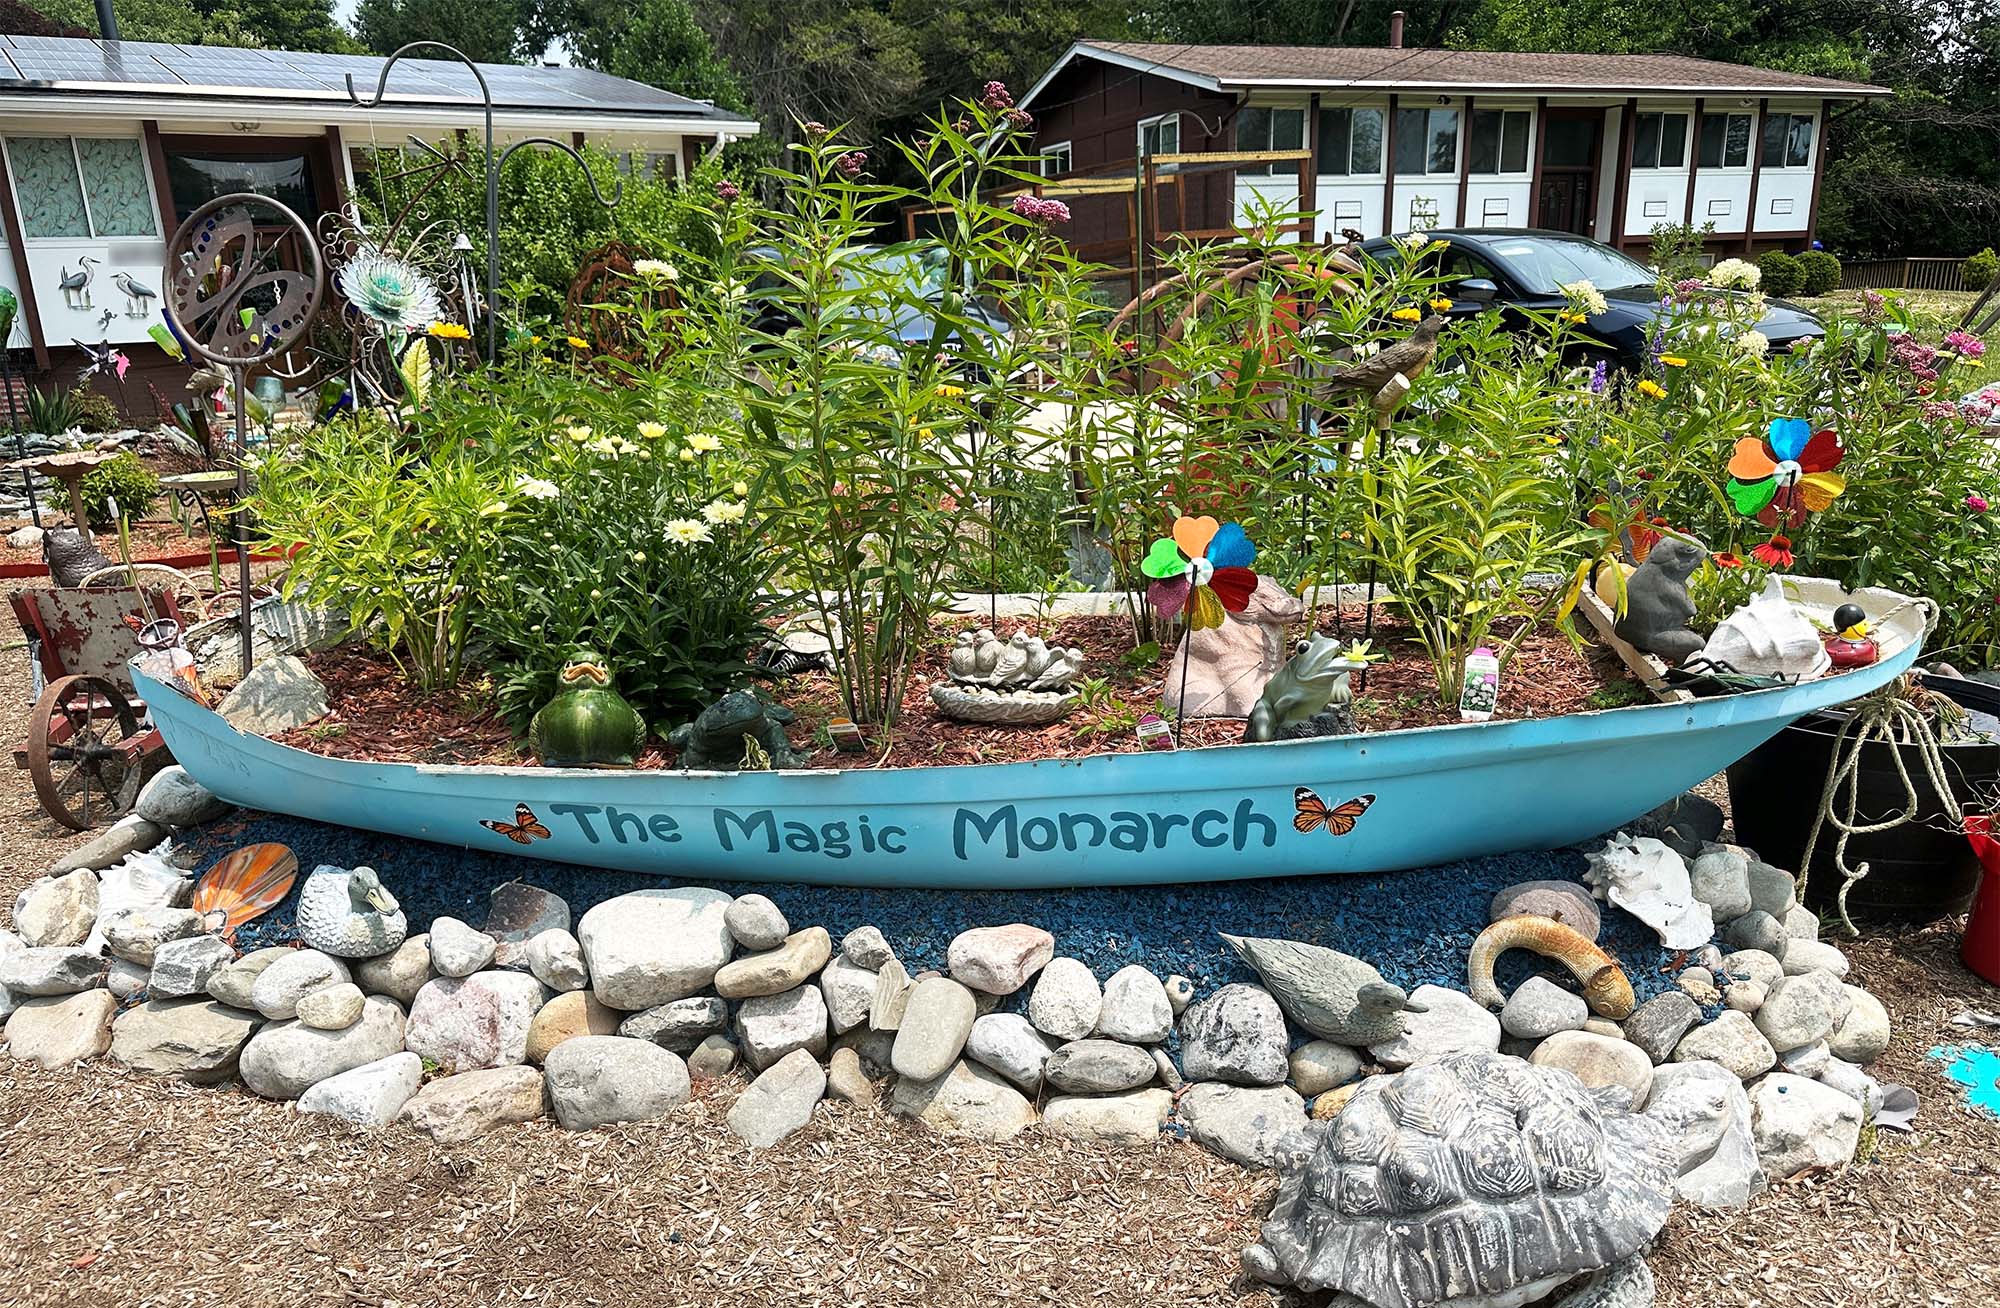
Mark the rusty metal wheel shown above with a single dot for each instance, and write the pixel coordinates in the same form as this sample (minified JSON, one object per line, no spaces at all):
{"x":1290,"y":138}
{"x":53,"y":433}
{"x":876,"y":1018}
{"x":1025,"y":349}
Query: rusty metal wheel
{"x":82,"y":770}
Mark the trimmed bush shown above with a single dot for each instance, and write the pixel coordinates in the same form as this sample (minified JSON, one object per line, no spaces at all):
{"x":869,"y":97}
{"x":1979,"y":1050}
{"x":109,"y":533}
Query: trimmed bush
{"x":1821,"y":271}
{"x":1782,"y":274}
{"x":95,"y":413}
{"x":125,"y":479}
{"x":1980,"y":270}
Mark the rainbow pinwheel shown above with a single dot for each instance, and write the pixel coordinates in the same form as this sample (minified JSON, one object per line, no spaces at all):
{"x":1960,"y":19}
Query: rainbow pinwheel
{"x":1788,"y":474}
{"x":1205,"y":568}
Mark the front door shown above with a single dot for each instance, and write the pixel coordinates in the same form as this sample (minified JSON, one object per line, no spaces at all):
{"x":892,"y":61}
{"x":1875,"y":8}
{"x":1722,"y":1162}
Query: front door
{"x":1566,"y":200}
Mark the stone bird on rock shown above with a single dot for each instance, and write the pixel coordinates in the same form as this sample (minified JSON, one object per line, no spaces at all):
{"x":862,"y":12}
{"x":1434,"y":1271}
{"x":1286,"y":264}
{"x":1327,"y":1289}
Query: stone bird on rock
{"x":1406,"y":359}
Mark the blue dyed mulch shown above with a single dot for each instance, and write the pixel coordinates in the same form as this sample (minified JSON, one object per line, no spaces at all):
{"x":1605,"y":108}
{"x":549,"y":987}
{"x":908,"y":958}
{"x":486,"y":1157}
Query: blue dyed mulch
{"x":1977,"y":1068}
{"x":1415,"y":927}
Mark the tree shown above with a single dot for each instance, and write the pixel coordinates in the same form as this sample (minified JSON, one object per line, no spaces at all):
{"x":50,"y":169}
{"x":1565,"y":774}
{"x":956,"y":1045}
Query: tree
{"x":173,"y":21}
{"x":286,"y":24}
{"x":487,"y":31}
{"x":657,"y":42}
{"x":839,"y":61}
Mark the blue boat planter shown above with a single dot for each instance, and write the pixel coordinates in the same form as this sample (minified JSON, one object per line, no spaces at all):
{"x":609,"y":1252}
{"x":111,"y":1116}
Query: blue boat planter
{"x":1372,"y":803}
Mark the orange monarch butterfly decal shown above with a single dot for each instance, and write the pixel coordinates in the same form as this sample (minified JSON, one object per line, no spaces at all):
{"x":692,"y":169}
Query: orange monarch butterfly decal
{"x":525,"y":827}
{"x":1314,"y":814}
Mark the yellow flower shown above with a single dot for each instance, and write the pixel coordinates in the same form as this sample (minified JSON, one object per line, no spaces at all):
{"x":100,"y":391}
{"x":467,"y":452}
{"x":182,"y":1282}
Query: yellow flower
{"x":925,"y":433}
{"x":577,"y":343}
{"x":652,"y":431}
{"x":450,"y":331}
{"x":579,"y":434}
{"x":740,"y":489}
{"x":722,"y":511}
{"x":1573,"y":317}
{"x":492,"y":508}
{"x":687,"y":456}
{"x":1552,"y":440}
{"x":1673,"y":361}
{"x":1408,"y":315}
{"x":1441,"y":304}
{"x":950,"y":392}
{"x":1652,"y":389}
{"x":704,"y":443}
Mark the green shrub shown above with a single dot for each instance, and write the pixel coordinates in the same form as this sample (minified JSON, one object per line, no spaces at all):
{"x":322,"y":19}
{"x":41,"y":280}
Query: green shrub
{"x":1821,"y":270}
{"x":124,"y":479}
{"x":1782,"y":274}
{"x":1980,"y":270}
{"x":1678,"y":247}
{"x":51,"y":412}
{"x":95,"y":413}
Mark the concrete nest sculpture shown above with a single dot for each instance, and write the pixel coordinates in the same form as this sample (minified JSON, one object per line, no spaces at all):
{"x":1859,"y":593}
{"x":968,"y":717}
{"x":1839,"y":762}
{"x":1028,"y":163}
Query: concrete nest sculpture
{"x":1019,"y":682}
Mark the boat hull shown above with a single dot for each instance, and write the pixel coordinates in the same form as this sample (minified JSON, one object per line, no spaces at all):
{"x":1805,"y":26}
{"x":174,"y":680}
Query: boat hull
{"x":1220,"y":813}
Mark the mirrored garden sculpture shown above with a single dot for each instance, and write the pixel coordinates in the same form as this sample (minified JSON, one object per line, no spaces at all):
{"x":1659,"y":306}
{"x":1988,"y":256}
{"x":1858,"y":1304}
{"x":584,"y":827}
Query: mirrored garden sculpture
{"x":349,"y":914}
{"x":1475,"y":1181}
{"x":1022,"y":681}
{"x":588,"y":724}
{"x":1657,"y":607}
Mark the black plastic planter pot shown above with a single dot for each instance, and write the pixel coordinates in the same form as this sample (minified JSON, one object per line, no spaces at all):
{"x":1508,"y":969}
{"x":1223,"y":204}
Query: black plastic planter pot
{"x":1922,"y":870}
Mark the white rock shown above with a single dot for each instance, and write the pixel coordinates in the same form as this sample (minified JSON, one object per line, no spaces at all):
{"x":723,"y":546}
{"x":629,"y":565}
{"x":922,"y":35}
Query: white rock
{"x":598,"y":1080}
{"x":58,"y":1030}
{"x":779,"y":1102}
{"x":892,"y":996}
{"x":1540,"y":1008}
{"x":279,"y":987}
{"x":865,"y":948}
{"x":768,"y":1027}
{"x":1180,"y":993}
{"x":774,"y":971}
{"x":197,"y":1040}
{"x":756,"y":923}
{"x":1128,"y":1121}
{"x":1862,"y":1035}
{"x":50,"y":970}
{"x":1452,"y":1023}
{"x":457,"y":950}
{"x":1802,"y":923}
{"x":1135,"y":1008}
{"x":1800,"y":1124}
{"x":936,"y":1021}
{"x":174,"y":799}
{"x":998,"y":960}
{"x":1709,"y":1119}
{"x":966,"y":1100}
{"x":371,"y":1095}
{"x":454,"y":1109}
{"x":331,"y":1008}
{"x":1807,"y":1060}
{"x":232,"y":985}
{"x":652,"y":946}
{"x":1772,"y":889}
{"x":1256,"y":1126}
{"x":1319,"y":1065}
{"x":1801,"y":1010}
{"x":1009,"y":1044}
{"x":1731,"y":1040}
{"x":1066,"y":1000}
{"x":680,"y":1025}
{"x":400,"y":973}
{"x":25,"y":538}
{"x":462,"y":1023}
{"x":130,"y":834}
{"x":57,"y":911}
{"x":136,"y":934}
{"x":555,"y":958}
{"x":1598,"y":1061}
{"x":185,"y":967}
{"x":285,"y":1058}
{"x":1814,"y":956}
{"x":125,"y":980}
{"x":1721,"y":879}
{"x":849,"y":990}
{"x":1237,"y":1034}
{"x":1863,"y":1089}
{"x":1099,"y":1066}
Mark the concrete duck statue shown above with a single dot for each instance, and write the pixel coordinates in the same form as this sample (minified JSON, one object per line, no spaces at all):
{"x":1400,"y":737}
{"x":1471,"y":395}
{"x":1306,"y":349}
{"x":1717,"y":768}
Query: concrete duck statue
{"x":1335,"y":996}
{"x":349,"y":914}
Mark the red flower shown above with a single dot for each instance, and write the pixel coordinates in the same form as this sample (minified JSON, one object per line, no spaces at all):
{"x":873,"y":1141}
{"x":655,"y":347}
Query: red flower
{"x":1725,"y":560}
{"x":1775,"y":552}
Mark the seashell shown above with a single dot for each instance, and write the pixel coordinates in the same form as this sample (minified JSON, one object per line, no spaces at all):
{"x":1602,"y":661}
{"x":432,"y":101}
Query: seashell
{"x":1648,"y":880}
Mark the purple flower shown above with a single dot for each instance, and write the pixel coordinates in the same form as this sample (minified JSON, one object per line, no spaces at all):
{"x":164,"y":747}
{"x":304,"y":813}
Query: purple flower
{"x":1600,"y":376}
{"x":1036,"y":209}
{"x":1964,"y":344}
{"x":1020,"y":118}
{"x":1871,"y":305}
{"x":851,"y":163}
{"x":727,"y":191}
{"x":995,"y":96}
{"x":1939,"y":411}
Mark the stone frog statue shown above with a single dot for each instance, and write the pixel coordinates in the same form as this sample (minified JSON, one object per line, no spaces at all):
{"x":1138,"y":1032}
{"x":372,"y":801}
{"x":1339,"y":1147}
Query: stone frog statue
{"x":737,"y":733}
{"x":1657,"y":607}
{"x":1295,"y":701}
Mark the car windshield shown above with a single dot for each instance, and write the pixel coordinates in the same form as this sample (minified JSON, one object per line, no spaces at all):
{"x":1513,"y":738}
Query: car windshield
{"x":1542,"y":264}
{"x":921,"y":268}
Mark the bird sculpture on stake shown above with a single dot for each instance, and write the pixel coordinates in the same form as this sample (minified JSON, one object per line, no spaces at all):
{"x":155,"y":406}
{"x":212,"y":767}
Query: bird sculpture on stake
{"x":235,"y":301}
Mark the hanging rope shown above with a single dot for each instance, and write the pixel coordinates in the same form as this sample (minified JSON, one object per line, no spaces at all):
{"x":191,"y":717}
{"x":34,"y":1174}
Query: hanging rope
{"x":1893,"y":718}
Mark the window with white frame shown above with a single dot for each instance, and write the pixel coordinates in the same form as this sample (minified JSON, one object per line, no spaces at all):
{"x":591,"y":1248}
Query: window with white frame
{"x":1426,"y":142}
{"x":1258,"y":128}
{"x":1499,"y":141}
{"x":1788,"y":140}
{"x":1056,"y":159}
{"x":1159,"y":136}
{"x":1659,"y":140}
{"x":1725,"y":141}
{"x":1350,"y":142}
{"x":80,"y":187}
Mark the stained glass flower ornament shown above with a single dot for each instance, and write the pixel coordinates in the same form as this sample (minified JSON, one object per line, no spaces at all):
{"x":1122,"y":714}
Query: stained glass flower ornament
{"x":389,"y":291}
{"x":1205,"y":568}
{"x":1785,"y":476}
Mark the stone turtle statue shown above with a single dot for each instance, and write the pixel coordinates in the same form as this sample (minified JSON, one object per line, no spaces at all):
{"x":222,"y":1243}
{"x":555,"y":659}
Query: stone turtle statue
{"x":1335,"y":996}
{"x":1474,"y":1181}
{"x":1657,"y":607}
{"x":738,"y":732}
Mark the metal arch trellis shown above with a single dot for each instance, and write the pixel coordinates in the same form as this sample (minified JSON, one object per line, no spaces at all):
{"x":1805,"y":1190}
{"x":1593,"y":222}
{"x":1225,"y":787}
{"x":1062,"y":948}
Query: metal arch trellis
{"x":494,"y":166}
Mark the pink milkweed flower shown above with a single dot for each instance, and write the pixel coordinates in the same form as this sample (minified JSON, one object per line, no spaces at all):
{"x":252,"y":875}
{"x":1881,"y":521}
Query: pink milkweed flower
{"x":995,"y":96}
{"x":1035,"y":208}
{"x":1964,"y":344}
{"x":851,"y":163}
{"x":1977,"y":502}
{"x":727,"y":190}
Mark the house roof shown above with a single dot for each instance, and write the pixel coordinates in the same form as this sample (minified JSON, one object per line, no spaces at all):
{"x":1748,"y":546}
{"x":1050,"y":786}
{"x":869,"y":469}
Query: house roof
{"x":1245,"y":67}
{"x":79,"y":66}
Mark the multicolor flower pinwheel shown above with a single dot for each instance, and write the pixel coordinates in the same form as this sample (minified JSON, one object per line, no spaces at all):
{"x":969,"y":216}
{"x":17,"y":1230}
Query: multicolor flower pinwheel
{"x":1788,"y":474}
{"x":1205,"y":568}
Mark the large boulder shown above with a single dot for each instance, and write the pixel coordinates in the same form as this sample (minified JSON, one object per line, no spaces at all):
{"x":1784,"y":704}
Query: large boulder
{"x":779,"y":1101}
{"x":1251,"y":1125}
{"x":275,"y":696}
{"x":596,"y":1080}
{"x":50,"y":970}
{"x":401,"y":972}
{"x":61,"y":1029}
{"x":185,"y":967}
{"x":967,"y":1100}
{"x":1708,"y":1114}
{"x":173,"y":799}
{"x":1124,"y":1121}
{"x":1236,"y":1034}
{"x":1066,"y":1000}
{"x":285,"y":1058}
{"x":998,"y":960}
{"x":197,"y":1040}
{"x":935,"y":1023}
{"x":1135,"y":1007}
{"x":1731,"y":1040}
{"x":279,"y":987}
{"x":57,"y":910}
{"x":771,"y":1026}
{"x":476,"y":1021}
{"x":235,"y":983}
{"x":1800,"y":1124}
{"x":454,"y":1109}
{"x":370,"y":1095}
{"x":1009,"y":1044}
{"x":653,"y":946}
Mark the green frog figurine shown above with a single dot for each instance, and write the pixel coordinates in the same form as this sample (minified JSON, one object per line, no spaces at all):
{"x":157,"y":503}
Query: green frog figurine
{"x":1308,"y":696}
{"x":737,"y":733}
{"x":587,"y":725}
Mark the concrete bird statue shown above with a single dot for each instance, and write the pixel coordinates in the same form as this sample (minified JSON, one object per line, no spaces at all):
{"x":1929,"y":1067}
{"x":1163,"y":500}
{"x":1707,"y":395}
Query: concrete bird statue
{"x":1406,"y":359}
{"x":75,"y":286}
{"x":138,"y":295}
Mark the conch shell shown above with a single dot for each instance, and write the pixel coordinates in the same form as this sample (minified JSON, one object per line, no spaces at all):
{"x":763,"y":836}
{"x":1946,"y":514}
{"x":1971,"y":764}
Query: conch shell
{"x":1605,"y":988}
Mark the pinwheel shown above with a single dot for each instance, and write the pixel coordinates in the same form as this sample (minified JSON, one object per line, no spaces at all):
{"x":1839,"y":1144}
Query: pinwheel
{"x":1788,"y":474}
{"x":1205,"y":568}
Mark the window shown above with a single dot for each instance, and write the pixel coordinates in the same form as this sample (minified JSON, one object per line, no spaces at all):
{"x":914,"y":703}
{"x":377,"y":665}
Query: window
{"x":1499,"y":141}
{"x":1258,"y":128}
{"x":1055,"y":159}
{"x":1426,"y":142}
{"x":81,"y":187}
{"x":200,"y":176}
{"x":1660,"y":141}
{"x":1788,"y":140}
{"x":1160,"y":136}
{"x":1350,"y":142}
{"x":1725,"y":141}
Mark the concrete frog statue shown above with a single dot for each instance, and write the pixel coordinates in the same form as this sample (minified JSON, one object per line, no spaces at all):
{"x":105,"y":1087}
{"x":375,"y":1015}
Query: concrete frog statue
{"x":737,"y":733}
{"x":1308,"y":696}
